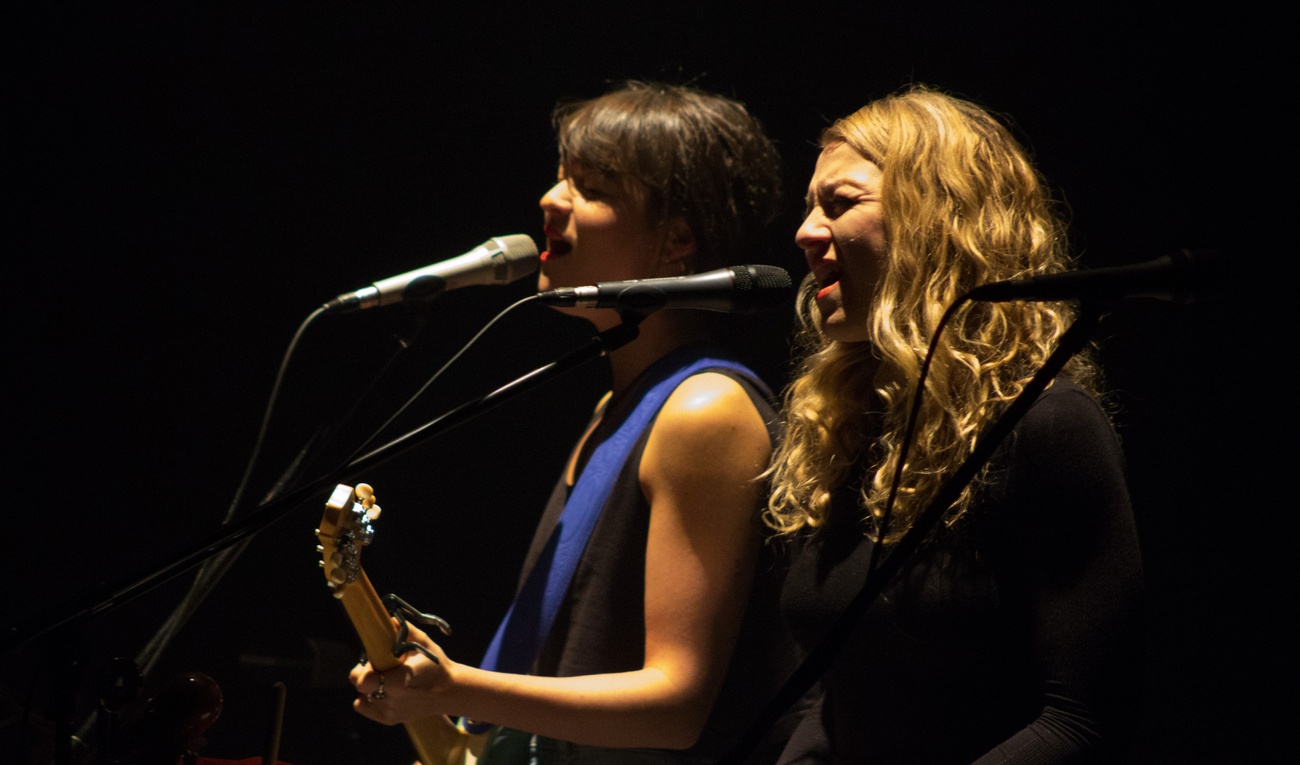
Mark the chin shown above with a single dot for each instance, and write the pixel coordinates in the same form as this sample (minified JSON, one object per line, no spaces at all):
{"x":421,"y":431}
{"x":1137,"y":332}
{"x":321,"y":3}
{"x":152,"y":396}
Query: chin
{"x":549,"y":281}
{"x":839,"y":328}
{"x":839,"y":337}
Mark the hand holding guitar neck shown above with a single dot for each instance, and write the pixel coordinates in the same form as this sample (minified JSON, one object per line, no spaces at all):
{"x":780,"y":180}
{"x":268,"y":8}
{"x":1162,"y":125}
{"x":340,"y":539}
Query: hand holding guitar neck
{"x":345,"y":528}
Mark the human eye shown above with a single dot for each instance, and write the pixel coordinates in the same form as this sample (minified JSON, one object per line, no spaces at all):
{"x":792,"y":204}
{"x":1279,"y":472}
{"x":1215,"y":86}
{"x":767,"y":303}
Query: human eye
{"x":836,"y":205}
{"x":590,"y":191}
{"x":584,"y":185}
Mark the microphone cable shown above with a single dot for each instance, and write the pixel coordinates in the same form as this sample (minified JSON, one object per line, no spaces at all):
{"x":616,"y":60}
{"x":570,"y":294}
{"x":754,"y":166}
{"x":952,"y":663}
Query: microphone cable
{"x":819,"y":658}
{"x":434,"y":377}
{"x":212,"y":571}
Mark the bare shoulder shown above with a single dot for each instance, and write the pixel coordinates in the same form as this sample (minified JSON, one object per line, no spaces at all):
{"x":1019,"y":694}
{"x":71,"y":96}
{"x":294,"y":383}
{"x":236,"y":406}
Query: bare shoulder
{"x":709,"y":425}
{"x":707,"y":403}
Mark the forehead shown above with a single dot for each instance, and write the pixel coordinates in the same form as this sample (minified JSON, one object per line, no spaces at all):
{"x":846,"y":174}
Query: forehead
{"x":574,"y":170}
{"x":839,"y":163}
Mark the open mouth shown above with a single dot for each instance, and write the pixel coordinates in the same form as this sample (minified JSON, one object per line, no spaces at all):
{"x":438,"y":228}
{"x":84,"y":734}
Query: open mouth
{"x":827,"y":276}
{"x":826,"y":287}
{"x":556,"y":246}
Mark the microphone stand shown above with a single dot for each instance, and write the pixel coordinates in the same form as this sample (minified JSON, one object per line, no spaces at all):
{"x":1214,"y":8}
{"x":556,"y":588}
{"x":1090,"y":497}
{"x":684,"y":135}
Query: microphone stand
{"x":216,"y":567}
{"x":820,"y":657}
{"x":105,"y":597}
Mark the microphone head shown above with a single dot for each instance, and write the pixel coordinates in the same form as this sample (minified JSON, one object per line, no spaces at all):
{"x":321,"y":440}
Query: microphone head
{"x":761,"y":288}
{"x":499,"y":260}
{"x":518,"y":257}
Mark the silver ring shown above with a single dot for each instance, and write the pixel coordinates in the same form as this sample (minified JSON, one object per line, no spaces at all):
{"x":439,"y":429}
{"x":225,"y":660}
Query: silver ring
{"x":378,"y":694}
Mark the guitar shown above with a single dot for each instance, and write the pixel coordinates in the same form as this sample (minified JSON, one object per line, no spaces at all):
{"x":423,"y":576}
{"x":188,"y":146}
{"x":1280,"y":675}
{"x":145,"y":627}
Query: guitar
{"x":344,"y":530}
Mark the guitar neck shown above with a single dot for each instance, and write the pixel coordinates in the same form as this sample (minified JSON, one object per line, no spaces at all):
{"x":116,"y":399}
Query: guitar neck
{"x":436,"y":740}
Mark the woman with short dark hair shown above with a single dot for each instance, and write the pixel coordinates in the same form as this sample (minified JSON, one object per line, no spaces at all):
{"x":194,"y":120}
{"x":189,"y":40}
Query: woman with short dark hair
{"x":668,"y":639}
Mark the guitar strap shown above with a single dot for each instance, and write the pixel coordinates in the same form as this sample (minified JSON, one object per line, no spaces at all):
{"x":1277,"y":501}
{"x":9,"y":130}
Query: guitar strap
{"x":521,"y":634}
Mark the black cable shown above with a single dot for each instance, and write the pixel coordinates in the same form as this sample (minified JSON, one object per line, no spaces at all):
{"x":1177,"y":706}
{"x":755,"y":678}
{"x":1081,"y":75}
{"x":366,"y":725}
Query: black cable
{"x":819,"y":658}
{"x":909,"y":432}
{"x":437,"y":374}
{"x":212,"y":571}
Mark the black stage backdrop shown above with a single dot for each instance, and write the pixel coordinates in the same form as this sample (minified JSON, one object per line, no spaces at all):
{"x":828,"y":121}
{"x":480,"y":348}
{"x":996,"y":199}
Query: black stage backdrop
{"x":185,"y":185}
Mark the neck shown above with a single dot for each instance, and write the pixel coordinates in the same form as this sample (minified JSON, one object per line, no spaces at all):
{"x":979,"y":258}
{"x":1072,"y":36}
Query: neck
{"x":660,"y":333}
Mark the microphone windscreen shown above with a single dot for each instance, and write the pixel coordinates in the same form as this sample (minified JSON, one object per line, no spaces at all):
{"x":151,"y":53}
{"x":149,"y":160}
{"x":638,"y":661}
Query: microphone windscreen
{"x":761,"y":287}
{"x":520,"y":256}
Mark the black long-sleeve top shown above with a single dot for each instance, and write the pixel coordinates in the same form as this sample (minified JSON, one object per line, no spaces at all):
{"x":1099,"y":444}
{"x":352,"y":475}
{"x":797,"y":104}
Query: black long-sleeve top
{"x":1011,"y":637}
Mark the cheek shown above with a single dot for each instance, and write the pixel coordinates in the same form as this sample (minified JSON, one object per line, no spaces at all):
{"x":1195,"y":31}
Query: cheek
{"x":594,"y":216}
{"x":872,"y":250}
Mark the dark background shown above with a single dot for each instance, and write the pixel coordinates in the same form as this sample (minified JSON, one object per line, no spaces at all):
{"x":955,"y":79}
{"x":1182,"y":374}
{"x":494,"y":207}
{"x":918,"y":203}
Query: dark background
{"x":186,"y":185}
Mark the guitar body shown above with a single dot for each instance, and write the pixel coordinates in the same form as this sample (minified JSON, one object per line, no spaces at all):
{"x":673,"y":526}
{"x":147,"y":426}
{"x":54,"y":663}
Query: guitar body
{"x":344,"y":528}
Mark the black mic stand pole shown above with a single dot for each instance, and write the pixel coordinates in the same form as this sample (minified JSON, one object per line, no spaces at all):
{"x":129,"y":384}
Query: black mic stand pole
{"x":212,"y":570}
{"x":819,"y":658}
{"x":210,"y":574}
{"x":105,"y":597}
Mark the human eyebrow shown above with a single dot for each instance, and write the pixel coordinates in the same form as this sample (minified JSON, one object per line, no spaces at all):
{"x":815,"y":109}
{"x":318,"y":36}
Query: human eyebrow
{"x":822,"y":191}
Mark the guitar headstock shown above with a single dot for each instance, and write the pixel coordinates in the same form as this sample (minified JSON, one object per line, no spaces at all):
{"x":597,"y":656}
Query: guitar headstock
{"x":344,"y":530}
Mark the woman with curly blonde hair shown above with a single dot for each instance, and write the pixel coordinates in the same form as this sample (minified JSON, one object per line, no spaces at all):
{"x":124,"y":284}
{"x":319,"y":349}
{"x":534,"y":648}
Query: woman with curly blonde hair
{"x":1011,"y":634}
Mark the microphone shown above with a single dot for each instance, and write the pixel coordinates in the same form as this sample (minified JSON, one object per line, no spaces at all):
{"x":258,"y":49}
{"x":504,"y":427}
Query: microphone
{"x":1185,"y":276}
{"x":499,"y":260}
{"x":736,"y":289}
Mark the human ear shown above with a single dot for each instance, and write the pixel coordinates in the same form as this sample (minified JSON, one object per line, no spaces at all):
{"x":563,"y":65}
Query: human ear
{"x":679,"y":242}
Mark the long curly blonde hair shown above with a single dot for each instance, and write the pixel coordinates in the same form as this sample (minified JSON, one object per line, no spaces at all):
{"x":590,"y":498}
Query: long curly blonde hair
{"x":962,"y":206}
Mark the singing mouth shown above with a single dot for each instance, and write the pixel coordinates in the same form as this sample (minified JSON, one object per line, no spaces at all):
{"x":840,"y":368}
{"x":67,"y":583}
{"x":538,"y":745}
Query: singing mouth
{"x":556,"y":246}
{"x":827,"y":276}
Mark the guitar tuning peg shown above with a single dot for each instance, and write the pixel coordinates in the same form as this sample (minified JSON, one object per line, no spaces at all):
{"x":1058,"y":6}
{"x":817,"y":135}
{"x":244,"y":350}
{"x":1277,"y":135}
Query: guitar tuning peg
{"x":364,"y":491}
{"x":373,"y":511}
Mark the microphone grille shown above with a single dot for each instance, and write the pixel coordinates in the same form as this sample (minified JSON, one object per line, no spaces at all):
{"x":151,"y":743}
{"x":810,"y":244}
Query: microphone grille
{"x":763,"y":287}
{"x":517,"y":246}
{"x":519,"y":253}
{"x":761,"y":278}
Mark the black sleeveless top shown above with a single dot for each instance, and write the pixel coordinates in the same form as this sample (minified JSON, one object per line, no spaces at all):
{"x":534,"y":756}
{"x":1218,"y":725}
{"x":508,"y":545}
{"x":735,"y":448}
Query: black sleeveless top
{"x":600,"y":627}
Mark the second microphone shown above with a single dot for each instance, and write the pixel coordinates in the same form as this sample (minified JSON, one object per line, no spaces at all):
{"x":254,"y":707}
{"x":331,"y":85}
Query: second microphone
{"x":737,"y":289}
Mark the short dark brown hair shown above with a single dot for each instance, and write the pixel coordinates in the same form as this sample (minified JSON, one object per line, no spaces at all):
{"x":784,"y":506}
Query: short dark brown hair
{"x":692,"y":154}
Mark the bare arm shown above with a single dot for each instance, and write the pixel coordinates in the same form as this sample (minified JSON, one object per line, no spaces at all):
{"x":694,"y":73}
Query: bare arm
{"x":697,"y":472}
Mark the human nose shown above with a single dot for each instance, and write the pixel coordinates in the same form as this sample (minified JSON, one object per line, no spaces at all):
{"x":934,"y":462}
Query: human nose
{"x":814,"y":234}
{"x":557,"y":199}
